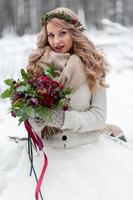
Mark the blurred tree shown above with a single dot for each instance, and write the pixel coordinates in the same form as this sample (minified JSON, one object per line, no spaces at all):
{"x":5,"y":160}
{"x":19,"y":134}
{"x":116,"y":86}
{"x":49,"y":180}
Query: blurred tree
{"x":34,"y":11}
{"x":127,"y":18}
{"x":23,"y":16}
{"x":1,"y":16}
{"x":7,"y":17}
{"x":118,"y":10}
{"x":88,"y":7}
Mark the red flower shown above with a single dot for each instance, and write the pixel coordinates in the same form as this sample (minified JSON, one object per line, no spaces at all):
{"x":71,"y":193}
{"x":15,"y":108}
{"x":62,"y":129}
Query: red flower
{"x":13,"y":114}
{"x":61,"y":86}
{"x":65,"y":108}
{"x":48,"y":100}
{"x":34,"y":101}
{"x":42,"y":79}
{"x":17,"y":96}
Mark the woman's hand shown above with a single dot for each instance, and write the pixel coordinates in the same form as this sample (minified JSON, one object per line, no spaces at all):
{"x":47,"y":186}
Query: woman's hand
{"x":57,"y":119}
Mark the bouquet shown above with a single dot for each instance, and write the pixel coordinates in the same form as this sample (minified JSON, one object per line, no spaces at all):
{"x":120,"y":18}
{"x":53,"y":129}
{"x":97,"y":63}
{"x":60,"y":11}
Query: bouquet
{"x":37,"y":97}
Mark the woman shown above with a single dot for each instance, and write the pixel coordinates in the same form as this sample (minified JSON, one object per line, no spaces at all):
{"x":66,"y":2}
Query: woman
{"x":84,"y":69}
{"x":82,"y":163}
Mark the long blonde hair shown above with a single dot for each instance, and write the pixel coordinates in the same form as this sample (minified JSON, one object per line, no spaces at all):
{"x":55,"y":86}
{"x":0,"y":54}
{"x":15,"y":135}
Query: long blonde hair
{"x":93,"y":60}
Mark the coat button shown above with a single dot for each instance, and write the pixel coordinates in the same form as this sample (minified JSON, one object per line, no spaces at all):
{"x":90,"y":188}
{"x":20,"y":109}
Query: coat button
{"x":64,"y":137}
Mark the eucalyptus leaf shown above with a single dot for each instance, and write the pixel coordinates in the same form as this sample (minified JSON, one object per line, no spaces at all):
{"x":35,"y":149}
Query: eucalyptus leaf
{"x":61,"y":103}
{"x":22,"y":119}
{"x":18,"y":104}
{"x":6,"y":94}
{"x":30,"y":111}
{"x":8,"y":82}
{"x":67,"y":91}
{"x":24,"y":74}
{"x":51,"y":70}
{"x":22,"y":88}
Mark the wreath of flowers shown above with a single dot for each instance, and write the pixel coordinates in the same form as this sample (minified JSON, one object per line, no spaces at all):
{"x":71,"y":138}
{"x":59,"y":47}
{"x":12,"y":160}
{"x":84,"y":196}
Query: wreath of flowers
{"x":60,"y":15}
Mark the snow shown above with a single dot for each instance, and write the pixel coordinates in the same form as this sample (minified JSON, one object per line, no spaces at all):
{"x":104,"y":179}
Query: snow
{"x":116,"y":42}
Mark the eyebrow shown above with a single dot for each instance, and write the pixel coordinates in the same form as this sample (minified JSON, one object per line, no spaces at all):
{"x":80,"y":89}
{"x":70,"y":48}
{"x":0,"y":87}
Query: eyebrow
{"x":59,"y":31}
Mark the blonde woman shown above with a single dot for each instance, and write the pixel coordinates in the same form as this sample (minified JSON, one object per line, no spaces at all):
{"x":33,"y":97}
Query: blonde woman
{"x":84,"y":67}
{"x":83,"y":164}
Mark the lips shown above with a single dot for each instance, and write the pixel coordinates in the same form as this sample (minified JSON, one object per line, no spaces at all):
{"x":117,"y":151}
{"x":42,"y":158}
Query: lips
{"x":59,"y":47}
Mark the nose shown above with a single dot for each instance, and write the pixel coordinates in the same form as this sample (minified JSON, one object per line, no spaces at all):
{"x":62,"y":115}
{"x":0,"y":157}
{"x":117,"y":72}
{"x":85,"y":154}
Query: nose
{"x":56,"y":40}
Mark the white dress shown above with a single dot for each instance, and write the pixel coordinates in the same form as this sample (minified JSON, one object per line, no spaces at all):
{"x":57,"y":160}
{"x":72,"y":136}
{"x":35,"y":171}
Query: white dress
{"x":86,"y":166}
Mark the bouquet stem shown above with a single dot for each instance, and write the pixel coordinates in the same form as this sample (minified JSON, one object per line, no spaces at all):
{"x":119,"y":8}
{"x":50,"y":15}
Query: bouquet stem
{"x":48,"y":131}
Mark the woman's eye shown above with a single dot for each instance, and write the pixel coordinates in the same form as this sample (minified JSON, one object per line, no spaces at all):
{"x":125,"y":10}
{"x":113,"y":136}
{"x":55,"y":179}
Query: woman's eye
{"x":50,"y":35}
{"x":63,"y":33}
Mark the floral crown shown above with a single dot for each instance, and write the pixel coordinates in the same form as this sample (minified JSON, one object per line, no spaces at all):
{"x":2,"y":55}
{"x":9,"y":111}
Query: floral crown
{"x":61,"y":15}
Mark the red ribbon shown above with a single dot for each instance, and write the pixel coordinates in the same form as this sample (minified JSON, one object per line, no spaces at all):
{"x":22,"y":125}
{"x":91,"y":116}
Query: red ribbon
{"x":35,"y":138}
{"x":37,"y":142}
{"x":41,"y":176}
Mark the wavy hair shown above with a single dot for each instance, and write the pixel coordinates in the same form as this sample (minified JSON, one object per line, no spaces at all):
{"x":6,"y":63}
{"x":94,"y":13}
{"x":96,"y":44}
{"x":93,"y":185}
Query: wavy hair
{"x":93,"y":60}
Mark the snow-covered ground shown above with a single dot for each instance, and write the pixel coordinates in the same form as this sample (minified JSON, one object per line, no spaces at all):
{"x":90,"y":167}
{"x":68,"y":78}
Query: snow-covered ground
{"x":117,"y":44}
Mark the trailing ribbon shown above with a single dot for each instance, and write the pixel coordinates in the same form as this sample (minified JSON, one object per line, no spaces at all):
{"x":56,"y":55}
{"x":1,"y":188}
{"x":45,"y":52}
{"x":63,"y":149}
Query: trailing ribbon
{"x":35,"y":138}
{"x":41,"y":176}
{"x":37,"y":142}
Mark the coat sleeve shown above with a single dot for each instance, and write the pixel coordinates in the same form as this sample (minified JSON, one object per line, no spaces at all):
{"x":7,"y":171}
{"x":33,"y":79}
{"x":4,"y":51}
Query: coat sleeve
{"x":90,"y":120}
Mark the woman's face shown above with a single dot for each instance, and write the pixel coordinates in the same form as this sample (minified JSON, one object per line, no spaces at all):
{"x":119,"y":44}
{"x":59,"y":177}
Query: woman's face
{"x":59,"y":38}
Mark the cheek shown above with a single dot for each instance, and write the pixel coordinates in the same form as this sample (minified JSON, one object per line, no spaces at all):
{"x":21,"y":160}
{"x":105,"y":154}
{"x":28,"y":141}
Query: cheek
{"x":69,"y":41}
{"x":50,"y":42}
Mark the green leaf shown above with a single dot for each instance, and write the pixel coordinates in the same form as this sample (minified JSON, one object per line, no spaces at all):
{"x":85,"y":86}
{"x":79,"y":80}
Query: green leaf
{"x":48,"y":74}
{"x":24,"y":74}
{"x":61,"y":103}
{"x":18,"y":103}
{"x":20,"y":108}
{"x":51,"y":70}
{"x":67,"y":91}
{"x":23,"y":110}
{"x":6,"y":94}
{"x":22,"y":119}
{"x":22,"y":88}
{"x":30,"y":111}
{"x":8,"y":82}
{"x":44,"y":113}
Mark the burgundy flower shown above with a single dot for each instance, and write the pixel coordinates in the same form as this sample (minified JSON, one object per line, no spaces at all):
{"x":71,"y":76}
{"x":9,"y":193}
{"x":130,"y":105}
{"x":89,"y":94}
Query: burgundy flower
{"x":42,"y":92}
{"x":42,"y":79}
{"x":34,"y":101}
{"x":13,"y":114}
{"x":55,"y":84}
{"x":48,"y":100}
{"x":65,"y":108}
{"x":17,"y":96}
{"x":74,"y":21}
{"x":31,"y":81}
{"x":61,"y":86}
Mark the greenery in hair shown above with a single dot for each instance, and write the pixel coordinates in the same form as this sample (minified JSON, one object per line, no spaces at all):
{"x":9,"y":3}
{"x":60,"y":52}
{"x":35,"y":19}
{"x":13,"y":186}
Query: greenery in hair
{"x":60,"y":15}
